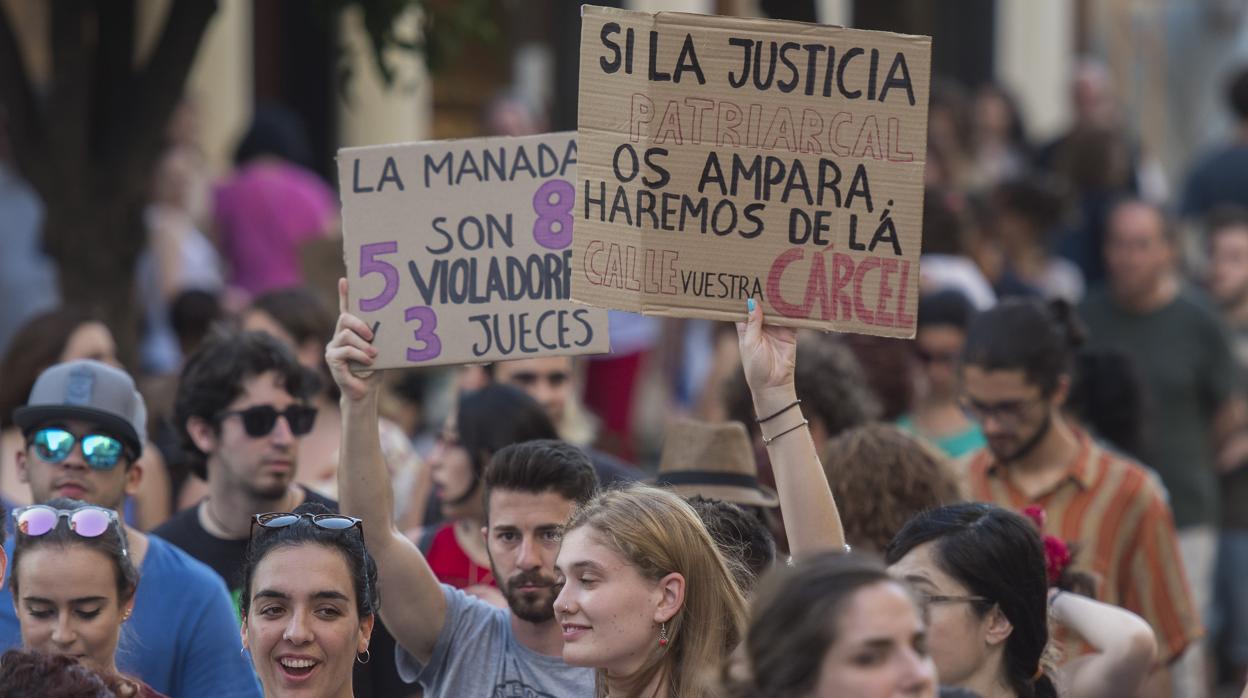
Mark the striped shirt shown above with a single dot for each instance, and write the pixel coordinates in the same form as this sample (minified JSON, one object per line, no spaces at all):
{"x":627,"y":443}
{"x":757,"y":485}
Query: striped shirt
{"x":1111,"y":510}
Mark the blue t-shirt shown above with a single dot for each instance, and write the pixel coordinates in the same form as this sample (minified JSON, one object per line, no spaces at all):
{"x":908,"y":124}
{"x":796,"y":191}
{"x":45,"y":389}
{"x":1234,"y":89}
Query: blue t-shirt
{"x":182,"y":639}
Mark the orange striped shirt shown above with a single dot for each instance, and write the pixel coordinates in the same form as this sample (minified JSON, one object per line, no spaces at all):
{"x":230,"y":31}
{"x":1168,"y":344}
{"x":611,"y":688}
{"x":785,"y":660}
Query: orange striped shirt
{"x":1109,"y":507}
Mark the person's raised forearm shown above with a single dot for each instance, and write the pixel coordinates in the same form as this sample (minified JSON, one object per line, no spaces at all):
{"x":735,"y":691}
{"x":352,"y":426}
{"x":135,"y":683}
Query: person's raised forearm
{"x":768,"y":355}
{"x":413,"y":606}
{"x":364,"y":487}
{"x":1125,"y":643}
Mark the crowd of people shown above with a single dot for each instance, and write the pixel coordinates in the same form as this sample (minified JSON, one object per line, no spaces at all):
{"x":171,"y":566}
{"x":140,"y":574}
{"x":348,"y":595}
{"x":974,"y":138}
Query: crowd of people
{"x":1044,"y":493}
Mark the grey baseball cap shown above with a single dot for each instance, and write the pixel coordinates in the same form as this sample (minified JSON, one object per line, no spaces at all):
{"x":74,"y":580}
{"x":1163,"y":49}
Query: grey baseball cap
{"x":89,"y":391}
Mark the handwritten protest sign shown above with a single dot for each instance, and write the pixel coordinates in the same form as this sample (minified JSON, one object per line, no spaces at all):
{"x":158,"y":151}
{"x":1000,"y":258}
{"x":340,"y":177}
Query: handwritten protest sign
{"x":461,"y":250}
{"x":725,"y":158}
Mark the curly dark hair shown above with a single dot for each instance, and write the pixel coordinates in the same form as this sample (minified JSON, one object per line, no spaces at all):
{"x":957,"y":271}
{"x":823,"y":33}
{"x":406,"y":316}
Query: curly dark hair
{"x":26,"y":673}
{"x":740,"y":535}
{"x":214,"y":375}
{"x":888,"y":365}
{"x":882,"y":477}
{"x":830,"y":384}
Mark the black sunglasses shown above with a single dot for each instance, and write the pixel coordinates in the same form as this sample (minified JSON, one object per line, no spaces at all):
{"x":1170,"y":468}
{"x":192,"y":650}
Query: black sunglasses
{"x":283,"y":519}
{"x":260,"y":420}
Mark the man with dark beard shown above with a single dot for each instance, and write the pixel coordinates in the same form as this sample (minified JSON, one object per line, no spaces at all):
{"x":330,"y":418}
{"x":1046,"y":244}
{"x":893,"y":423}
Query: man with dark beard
{"x":1016,"y":375}
{"x":242,"y":406}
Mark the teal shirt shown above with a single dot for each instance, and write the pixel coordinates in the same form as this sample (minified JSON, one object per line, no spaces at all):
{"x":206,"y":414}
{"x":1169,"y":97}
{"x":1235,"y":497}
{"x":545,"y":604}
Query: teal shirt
{"x":954,"y":445}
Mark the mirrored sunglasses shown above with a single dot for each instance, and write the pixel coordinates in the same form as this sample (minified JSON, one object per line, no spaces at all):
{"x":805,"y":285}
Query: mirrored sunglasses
{"x":88,"y":521}
{"x":54,"y":444}
{"x":259,"y":420}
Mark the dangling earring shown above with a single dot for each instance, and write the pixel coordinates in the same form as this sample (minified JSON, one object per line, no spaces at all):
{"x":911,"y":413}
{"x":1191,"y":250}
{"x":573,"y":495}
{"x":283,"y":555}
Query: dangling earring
{"x":663,"y":634}
{"x":363,"y":657}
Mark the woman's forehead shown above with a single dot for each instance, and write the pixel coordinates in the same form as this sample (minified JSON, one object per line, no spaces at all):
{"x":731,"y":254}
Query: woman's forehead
{"x":72,"y":566}
{"x":302,"y":570}
{"x":585,"y":545}
{"x":919,"y":566}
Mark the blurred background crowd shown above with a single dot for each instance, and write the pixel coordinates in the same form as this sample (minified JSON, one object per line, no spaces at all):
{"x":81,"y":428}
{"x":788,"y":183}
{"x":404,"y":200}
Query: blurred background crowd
{"x":178,"y":173}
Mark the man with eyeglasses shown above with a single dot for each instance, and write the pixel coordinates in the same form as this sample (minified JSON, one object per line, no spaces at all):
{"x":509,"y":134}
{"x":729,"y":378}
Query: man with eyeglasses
{"x":84,"y":426}
{"x":242,"y":406}
{"x":1015,"y":377}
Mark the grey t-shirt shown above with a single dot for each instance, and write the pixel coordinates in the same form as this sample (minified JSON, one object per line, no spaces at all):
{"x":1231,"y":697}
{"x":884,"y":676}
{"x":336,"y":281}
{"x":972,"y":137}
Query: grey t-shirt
{"x":477,"y":656}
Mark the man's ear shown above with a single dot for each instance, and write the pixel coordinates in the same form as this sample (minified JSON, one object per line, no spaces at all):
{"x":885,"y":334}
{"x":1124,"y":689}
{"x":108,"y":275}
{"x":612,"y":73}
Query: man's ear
{"x":134,"y":476}
{"x":23,"y":475}
{"x":203,"y":434}
{"x":1061,"y":392}
{"x":671,"y":597}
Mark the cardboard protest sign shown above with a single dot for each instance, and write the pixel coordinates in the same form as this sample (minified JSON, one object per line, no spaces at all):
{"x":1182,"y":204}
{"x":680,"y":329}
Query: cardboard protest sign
{"x":461,"y":250}
{"x":725,"y":158}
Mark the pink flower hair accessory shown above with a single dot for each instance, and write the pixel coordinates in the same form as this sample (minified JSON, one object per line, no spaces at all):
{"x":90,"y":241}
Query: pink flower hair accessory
{"x":1057,"y":555}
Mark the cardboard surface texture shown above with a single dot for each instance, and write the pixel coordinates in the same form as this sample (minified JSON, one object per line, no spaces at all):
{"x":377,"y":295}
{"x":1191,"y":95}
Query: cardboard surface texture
{"x":723,"y":158}
{"x":461,"y":250}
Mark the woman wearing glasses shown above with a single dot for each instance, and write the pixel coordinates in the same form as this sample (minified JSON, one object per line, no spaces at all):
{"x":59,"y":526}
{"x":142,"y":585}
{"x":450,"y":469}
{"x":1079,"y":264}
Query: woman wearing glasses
{"x":73,"y":584}
{"x":983,"y":573}
{"x":309,"y":601}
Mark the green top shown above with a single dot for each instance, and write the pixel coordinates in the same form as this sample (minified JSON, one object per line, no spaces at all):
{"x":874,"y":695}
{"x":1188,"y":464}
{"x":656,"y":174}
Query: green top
{"x":954,"y":445}
{"x":1182,"y":353}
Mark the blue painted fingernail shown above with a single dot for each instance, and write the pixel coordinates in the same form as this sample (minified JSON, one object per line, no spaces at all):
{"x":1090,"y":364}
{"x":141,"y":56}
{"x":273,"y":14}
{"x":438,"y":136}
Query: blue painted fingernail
{"x":750,"y":304}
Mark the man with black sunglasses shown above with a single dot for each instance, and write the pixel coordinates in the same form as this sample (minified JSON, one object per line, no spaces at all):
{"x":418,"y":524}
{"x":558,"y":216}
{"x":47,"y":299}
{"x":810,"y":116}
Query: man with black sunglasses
{"x":84,"y":426}
{"x":242,"y":406}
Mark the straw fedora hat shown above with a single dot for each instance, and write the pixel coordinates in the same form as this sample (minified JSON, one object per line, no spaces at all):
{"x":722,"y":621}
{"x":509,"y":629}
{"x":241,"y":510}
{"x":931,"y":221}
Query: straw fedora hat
{"x":712,"y":460}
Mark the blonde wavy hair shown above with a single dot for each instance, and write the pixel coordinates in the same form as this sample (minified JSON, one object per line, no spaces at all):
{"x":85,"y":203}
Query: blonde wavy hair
{"x":659,"y":533}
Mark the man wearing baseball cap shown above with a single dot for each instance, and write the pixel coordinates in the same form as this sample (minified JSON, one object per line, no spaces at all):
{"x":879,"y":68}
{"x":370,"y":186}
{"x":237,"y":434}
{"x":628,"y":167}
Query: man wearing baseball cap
{"x":84,"y":428}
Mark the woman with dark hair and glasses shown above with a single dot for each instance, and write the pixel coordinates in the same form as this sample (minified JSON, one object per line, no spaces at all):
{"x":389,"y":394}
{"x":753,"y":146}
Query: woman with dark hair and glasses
{"x":986,"y":575}
{"x":73,"y":584}
{"x":309,"y":601}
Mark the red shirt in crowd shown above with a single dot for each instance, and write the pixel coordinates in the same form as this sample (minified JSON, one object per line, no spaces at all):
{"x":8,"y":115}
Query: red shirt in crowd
{"x":451,"y":564}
